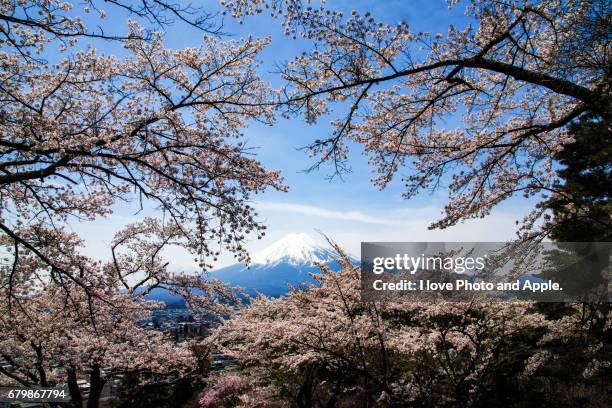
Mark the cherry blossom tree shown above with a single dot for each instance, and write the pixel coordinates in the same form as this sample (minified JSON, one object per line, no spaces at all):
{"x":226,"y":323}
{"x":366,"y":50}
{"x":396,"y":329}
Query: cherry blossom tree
{"x":54,"y":333}
{"x":81,"y":131}
{"x":326,"y":346}
{"x":518,"y":74}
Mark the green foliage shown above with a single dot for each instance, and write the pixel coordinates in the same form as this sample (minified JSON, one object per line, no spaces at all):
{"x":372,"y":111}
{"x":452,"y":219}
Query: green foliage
{"x":582,"y":212}
{"x":581,"y":208}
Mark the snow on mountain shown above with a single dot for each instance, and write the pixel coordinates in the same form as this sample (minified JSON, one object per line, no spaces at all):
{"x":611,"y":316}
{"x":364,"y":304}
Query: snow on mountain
{"x":294,"y":249}
{"x":287,"y":262}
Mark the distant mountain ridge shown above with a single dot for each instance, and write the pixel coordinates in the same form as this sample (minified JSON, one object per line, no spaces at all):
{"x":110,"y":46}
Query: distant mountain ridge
{"x":286,"y":262}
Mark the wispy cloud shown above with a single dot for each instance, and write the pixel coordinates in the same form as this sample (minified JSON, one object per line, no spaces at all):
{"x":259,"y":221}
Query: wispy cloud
{"x":356,"y":216}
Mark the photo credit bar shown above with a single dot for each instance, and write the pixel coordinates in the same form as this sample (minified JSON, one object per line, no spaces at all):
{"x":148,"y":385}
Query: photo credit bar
{"x":487,"y":271}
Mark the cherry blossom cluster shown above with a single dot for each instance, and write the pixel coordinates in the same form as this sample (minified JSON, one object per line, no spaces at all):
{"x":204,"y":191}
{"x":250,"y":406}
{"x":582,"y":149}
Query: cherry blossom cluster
{"x":55,"y":330}
{"x":325,"y":343}
{"x":82,"y":131}
{"x":516,"y":77}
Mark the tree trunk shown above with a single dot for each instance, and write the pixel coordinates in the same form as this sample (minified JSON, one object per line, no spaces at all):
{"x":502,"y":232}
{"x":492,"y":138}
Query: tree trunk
{"x":73,"y":388}
{"x":304,"y":398}
{"x":40,"y":368}
{"x":95,"y":388}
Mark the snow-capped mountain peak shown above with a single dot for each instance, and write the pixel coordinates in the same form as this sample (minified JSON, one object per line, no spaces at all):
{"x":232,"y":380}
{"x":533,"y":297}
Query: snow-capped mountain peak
{"x":293,"y":249}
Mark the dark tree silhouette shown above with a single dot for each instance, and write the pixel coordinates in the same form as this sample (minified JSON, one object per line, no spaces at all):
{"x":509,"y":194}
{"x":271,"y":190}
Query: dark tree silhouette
{"x":581,"y":207}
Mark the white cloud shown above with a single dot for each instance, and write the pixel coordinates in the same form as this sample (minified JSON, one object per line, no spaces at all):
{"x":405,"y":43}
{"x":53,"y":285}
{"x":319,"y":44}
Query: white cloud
{"x":357,"y":216}
{"x":351,"y":227}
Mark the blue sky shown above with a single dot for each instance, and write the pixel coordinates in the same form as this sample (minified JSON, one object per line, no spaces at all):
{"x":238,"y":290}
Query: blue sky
{"x":349,"y":211}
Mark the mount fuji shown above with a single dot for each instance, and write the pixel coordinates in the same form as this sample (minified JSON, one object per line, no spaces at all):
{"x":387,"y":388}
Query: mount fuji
{"x":287,"y":262}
